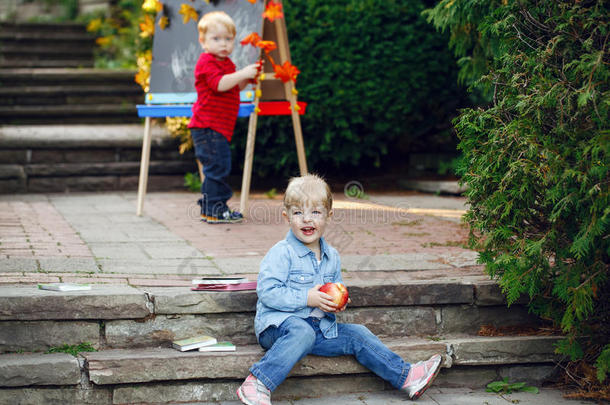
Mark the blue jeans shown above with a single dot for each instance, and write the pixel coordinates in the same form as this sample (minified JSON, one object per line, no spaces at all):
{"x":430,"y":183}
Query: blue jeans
{"x":297,"y":337}
{"x":212,"y":150}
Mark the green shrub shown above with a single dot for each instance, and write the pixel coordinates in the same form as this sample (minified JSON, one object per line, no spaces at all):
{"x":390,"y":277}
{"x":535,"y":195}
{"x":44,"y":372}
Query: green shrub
{"x":536,"y":161}
{"x":379,"y":82}
{"x":118,"y":34}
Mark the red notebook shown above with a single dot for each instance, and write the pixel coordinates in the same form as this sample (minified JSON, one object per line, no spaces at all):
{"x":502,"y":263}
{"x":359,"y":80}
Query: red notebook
{"x":250,"y":285}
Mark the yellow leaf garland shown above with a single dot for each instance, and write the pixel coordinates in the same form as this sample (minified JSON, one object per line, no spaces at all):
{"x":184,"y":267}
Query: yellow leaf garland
{"x":143,"y":75}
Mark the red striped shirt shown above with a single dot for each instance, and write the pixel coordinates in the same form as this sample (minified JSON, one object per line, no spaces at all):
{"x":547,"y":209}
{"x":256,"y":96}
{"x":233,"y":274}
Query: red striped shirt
{"x":214,"y":109}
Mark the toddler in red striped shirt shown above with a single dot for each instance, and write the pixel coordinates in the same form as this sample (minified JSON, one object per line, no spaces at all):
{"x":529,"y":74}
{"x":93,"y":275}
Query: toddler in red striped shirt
{"x":215,"y":112}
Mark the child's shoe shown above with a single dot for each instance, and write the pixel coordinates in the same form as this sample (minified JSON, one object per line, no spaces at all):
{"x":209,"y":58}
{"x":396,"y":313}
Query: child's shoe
{"x":421,"y":375}
{"x":227,"y":217}
{"x":254,"y":392}
{"x":204,"y":217}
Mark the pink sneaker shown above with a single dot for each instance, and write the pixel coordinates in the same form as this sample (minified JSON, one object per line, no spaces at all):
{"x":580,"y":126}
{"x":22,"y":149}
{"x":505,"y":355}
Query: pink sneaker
{"x":421,"y":375}
{"x":254,"y":392}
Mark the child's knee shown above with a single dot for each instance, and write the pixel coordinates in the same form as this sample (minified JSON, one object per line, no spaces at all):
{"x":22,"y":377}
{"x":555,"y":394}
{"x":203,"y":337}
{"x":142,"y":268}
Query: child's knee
{"x":301,"y":331}
{"x":360,"y":331}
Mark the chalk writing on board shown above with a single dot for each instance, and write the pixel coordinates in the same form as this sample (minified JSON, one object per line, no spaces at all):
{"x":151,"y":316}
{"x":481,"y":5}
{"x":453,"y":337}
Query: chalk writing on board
{"x":176,"y":49}
{"x":182,"y":62}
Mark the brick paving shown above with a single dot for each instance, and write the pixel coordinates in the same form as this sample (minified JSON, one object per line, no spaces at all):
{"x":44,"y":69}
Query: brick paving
{"x":358,"y":227}
{"x":97,"y":238}
{"x":36,"y":229}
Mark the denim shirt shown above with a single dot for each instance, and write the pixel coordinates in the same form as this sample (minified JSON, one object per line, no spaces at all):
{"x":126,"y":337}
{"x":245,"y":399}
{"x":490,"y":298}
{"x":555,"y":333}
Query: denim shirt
{"x":287,"y":272}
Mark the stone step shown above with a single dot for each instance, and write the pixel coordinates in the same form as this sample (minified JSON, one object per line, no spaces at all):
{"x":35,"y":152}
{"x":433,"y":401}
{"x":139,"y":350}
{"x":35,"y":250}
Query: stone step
{"x":67,"y":76}
{"x":126,"y":317}
{"x":148,"y":365}
{"x":45,"y":36}
{"x":29,"y":63}
{"x":170,"y":376}
{"x":62,"y":50}
{"x":91,"y":113}
{"x":72,"y":94}
{"x":51,"y":28}
{"x":60,"y":158}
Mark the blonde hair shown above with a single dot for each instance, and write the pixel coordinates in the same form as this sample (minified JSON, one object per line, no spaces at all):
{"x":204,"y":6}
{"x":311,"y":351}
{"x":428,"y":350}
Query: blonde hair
{"x":215,"y":18}
{"x":306,"y":190}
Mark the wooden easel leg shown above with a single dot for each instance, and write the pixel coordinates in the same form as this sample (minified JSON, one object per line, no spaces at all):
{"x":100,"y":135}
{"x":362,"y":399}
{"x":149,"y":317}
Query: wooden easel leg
{"x":145,"y":162}
{"x":247,"y":176}
{"x":282,"y":47}
{"x":298,"y":137}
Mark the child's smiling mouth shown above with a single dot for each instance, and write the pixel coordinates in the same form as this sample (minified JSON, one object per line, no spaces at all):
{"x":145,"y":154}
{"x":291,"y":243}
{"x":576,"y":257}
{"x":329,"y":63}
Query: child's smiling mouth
{"x":308,"y":230}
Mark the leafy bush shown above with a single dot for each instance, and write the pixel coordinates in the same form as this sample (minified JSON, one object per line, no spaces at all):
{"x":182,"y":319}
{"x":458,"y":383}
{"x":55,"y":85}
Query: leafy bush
{"x":118,"y":34}
{"x":379,"y":82}
{"x":536,"y":160}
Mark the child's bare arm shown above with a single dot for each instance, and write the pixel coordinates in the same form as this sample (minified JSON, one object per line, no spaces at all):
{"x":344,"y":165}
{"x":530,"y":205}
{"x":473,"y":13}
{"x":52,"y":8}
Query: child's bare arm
{"x":318,"y":299}
{"x":239,"y":78}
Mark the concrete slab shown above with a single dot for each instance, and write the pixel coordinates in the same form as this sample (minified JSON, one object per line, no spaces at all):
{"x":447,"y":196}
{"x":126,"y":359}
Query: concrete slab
{"x":149,"y":365}
{"x":42,"y":335}
{"x":68,"y":264}
{"x":38,"y":369}
{"x":18,"y":264}
{"x":71,"y":136}
{"x":416,"y":261}
{"x":194,"y":267}
{"x":101,"y":302}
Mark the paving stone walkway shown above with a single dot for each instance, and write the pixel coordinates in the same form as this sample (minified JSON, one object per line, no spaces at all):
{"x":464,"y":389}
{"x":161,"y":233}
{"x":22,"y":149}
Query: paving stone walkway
{"x":434,"y":396}
{"x":96,"y":237}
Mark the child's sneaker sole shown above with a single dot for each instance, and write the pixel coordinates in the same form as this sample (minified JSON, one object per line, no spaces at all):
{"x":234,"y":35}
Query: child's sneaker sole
{"x":215,"y":220}
{"x":423,"y":389}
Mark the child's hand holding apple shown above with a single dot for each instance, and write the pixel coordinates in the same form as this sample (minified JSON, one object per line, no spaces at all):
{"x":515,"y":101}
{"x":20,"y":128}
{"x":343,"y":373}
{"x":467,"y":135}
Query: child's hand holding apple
{"x":330,"y":297}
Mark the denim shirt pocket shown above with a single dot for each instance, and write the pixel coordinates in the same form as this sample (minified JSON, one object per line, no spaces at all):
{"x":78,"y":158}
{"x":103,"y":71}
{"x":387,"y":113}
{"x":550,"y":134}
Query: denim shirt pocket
{"x":299,"y":280}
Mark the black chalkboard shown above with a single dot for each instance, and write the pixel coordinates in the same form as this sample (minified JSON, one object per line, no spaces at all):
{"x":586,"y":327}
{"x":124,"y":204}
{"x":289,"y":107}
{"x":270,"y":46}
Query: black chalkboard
{"x":176,"y":48}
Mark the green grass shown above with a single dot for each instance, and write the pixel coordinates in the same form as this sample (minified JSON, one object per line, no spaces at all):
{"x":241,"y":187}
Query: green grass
{"x":73,"y":349}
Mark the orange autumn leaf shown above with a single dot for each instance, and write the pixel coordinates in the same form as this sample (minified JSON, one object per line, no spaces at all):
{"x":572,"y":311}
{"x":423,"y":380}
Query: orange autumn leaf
{"x":252,"y":39}
{"x":267,"y":46}
{"x":252,"y":1}
{"x":286,"y":72}
{"x":147,"y":27}
{"x":188,"y":13}
{"x":163,"y":22}
{"x":273,"y":11}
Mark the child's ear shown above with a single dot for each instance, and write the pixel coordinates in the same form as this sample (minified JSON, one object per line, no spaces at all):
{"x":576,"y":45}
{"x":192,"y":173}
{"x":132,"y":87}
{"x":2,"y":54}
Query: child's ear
{"x":285,"y":215}
{"x":201,"y":38}
{"x":330,"y":213}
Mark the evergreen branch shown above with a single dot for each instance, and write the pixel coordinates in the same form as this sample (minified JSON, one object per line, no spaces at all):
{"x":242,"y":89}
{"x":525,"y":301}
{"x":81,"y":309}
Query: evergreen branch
{"x":520,"y":36}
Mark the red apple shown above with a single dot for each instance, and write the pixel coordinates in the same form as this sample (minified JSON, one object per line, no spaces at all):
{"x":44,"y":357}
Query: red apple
{"x":338,"y":292}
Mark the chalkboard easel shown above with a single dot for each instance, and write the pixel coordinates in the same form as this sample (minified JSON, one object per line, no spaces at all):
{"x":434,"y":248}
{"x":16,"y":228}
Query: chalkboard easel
{"x":172,"y":91}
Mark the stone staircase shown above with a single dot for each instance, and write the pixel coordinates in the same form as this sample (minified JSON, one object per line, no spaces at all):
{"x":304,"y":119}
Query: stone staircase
{"x":132,"y":328}
{"x":68,"y":96}
{"x":47,"y":77}
{"x":45,"y":45}
{"x":66,"y":126}
{"x":68,"y":158}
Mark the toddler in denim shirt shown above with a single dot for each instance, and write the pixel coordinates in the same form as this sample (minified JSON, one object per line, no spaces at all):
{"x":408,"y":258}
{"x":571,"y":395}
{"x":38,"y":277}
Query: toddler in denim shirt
{"x":294,"y":319}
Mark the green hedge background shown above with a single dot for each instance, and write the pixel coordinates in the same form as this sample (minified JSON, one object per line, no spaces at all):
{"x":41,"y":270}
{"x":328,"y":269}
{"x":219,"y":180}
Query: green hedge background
{"x":380,"y":82}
